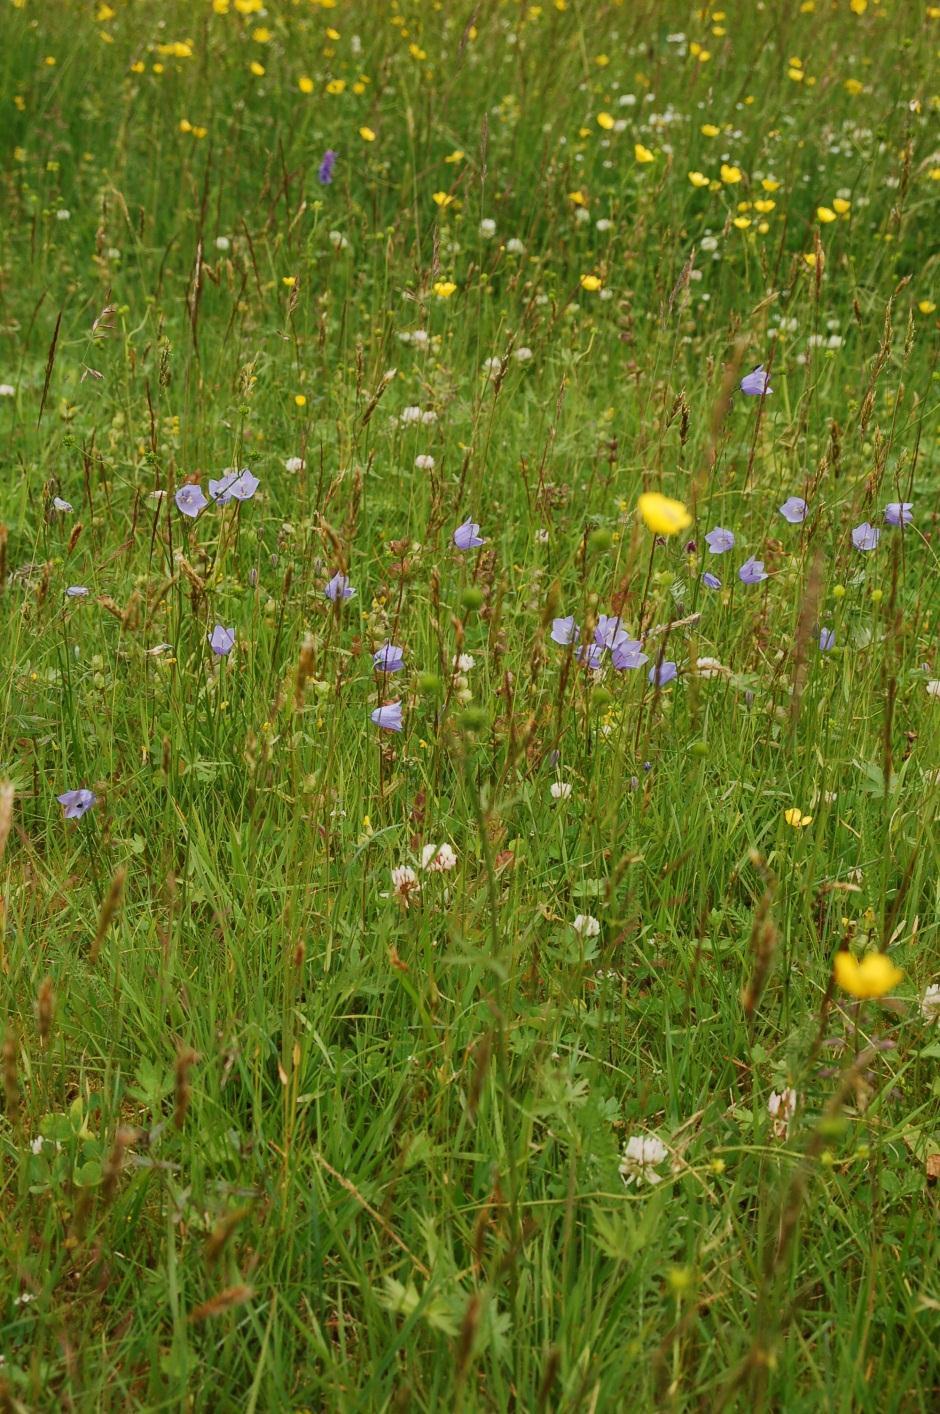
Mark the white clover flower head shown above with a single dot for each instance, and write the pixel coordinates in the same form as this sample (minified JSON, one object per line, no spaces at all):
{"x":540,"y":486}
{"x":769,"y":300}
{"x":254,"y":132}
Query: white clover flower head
{"x":405,"y":883}
{"x":223,"y":243}
{"x":782,"y":1108}
{"x":933,"y":688}
{"x":930,"y":1005}
{"x":487,"y":228}
{"x":492,"y":365}
{"x":294,"y":464}
{"x":424,"y":462}
{"x":561,"y":790}
{"x":7,"y":390}
{"x":710,"y":668}
{"x":641,"y":1154}
{"x":409,"y":415}
{"x":464,"y":662}
{"x":604,"y":224}
{"x":338,"y":241}
{"x":63,"y":215}
{"x":541,"y":536}
{"x":523,"y":354}
{"x":515,"y":246}
{"x":586,"y":925}
{"x":438,"y":859}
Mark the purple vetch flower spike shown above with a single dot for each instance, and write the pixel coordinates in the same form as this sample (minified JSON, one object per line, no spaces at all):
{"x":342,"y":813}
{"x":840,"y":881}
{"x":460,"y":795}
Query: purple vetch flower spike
{"x":794,"y":510}
{"x":609,"y":631}
{"x":388,"y":718}
{"x":865,"y":536}
{"x":234,"y":486}
{"x":327,"y":163}
{"x":752,"y":571}
{"x":899,"y":512}
{"x":467,"y":536}
{"x":190,"y":500}
{"x":76,"y":803}
{"x":719,"y":540}
{"x":756,"y":384}
{"x":77,"y":591}
{"x":221,"y":640}
{"x":564,"y":631}
{"x":339,"y":588}
{"x":388,"y":659}
{"x":628,"y":653}
{"x":661,"y":673}
{"x":711,"y":581}
{"x":827,"y":639}
{"x":591,"y":655}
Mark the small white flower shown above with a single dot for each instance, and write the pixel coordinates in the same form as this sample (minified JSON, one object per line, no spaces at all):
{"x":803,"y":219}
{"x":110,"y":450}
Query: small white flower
{"x":294,"y":464}
{"x":561,"y":790}
{"x":487,"y":228}
{"x":409,"y":415}
{"x":157,"y":495}
{"x":338,"y":241}
{"x":438,"y":859}
{"x":223,"y":243}
{"x":428,"y":417}
{"x":405,"y":883}
{"x":604,"y":224}
{"x":586,"y":926}
{"x":36,"y":1144}
{"x":641,"y":1154}
{"x":492,"y":365}
{"x":708,"y":243}
{"x":424,"y":463}
{"x":782,"y":1108}
{"x":710,"y":668}
{"x":464,"y":662}
{"x":523,"y":354}
{"x":933,"y":688}
{"x":63,"y":215}
{"x":930,"y":1004}
{"x":581,"y":214}
{"x":541,"y":536}
{"x":59,"y":505}
{"x":515,"y":246}
{"x":7,"y":390}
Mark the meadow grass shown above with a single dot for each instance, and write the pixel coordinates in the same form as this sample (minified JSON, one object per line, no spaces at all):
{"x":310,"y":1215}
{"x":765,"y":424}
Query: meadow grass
{"x":281,"y":1130}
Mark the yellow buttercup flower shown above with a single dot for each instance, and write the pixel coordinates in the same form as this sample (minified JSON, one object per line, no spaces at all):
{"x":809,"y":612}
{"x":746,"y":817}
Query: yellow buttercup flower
{"x":770,"y":184}
{"x":300,"y":399}
{"x":874,"y":976}
{"x":305,"y":84}
{"x":730,"y":175}
{"x":825,"y":214}
{"x":742,"y":222}
{"x":605,"y":121}
{"x":926,"y":306}
{"x":367,"y":134}
{"x":795,"y":817}
{"x":858,"y":7}
{"x":591,"y":283}
{"x":698,"y":179}
{"x":841,"y":206}
{"x":455,"y":156}
{"x":257,"y":69}
{"x":661,"y":514}
{"x":810,"y":259}
{"x":764,"y":206}
{"x":577,"y":198}
{"x":336,"y":86}
{"x":441,"y":198}
{"x":444,"y":288}
{"x":642,"y":154}
{"x":853,"y":86}
{"x":710,"y":130}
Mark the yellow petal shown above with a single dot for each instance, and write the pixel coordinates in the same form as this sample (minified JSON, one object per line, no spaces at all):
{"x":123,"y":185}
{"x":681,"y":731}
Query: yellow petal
{"x":661,"y":514}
